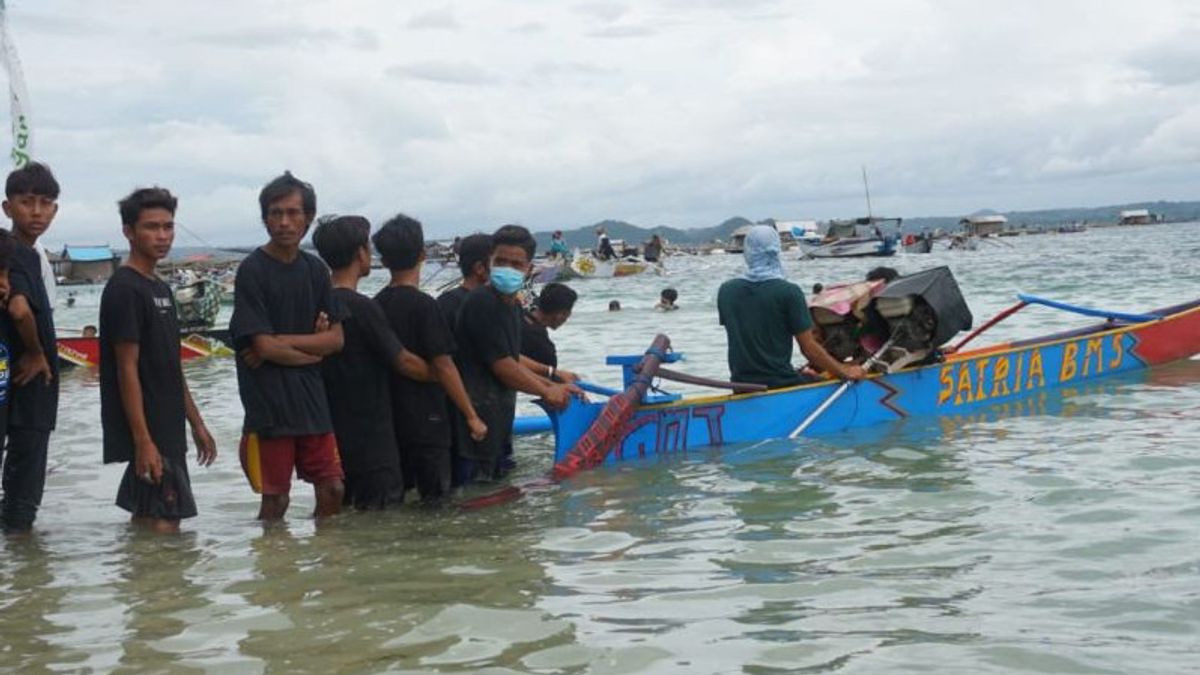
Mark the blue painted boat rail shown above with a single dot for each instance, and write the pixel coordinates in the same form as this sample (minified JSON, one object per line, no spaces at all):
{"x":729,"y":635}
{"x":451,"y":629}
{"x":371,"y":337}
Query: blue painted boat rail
{"x":1088,"y":311}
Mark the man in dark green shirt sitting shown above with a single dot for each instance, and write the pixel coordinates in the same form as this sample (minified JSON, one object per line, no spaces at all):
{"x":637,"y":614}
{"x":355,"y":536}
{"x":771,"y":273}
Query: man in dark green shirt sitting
{"x":762,"y":313}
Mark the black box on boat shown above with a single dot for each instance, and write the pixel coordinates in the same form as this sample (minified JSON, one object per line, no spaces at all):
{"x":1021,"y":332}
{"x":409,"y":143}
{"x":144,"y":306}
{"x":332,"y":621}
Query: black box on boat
{"x":923,"y":310}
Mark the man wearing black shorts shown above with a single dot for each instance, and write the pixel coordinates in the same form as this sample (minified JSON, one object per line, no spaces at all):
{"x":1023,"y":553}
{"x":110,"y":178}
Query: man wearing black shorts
{"x":419,"y":408}
{"x":31,"y":203}
{"x":144,"y":398}
{"x":488,"y":333}
{"x":358,"y":379}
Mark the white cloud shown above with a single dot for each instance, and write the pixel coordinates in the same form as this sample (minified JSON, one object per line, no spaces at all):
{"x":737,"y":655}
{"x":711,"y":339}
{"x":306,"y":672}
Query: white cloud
{"x":528,"y":111}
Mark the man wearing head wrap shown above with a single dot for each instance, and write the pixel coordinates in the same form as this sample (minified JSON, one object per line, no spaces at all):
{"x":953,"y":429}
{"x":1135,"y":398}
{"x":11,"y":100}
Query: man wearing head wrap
{"x":762,"y":313}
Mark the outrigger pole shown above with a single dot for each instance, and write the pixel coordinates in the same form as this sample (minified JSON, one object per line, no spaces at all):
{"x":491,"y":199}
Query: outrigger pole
{"x":18,"y":96}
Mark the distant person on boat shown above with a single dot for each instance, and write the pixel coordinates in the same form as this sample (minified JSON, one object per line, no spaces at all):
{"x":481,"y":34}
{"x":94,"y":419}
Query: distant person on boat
{"x":285,"y":322}
{"x":358,"y":379}
{"x":614,"y":305}
{"x":666,"y":300}
{"x":558,"y":247}
{"x":89,"y":331}
{"x":653,"y":249}
{"x":474,"y":258}
{"x":31,"y":202}
{"x":144,"y":397}
{"x":763,"y":313}
{"x":488,"y":333}
{"x":604,"y":248}
{"x":421,"y":411}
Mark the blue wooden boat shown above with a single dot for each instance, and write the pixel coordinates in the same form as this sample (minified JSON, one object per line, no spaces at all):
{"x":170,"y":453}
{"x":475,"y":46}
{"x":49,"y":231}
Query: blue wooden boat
{"x":1009,"y":375}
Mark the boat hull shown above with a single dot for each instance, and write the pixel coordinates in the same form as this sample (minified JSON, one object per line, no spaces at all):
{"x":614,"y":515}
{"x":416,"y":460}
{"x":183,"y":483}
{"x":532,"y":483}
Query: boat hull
{"x":84,"y":352}
{"x":1008,"y":374}
{"x":852,"y":248}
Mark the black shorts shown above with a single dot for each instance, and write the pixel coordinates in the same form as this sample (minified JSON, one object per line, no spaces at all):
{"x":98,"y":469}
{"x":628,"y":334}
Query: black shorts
{"x":374,"y":490}
{"x":171,"y":499}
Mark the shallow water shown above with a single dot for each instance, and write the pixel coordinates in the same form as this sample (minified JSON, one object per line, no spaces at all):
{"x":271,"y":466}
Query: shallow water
{"x":1063,"y":539}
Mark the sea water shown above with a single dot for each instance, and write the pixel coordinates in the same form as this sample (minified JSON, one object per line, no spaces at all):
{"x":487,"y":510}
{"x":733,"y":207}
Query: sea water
{"x":1062,"y":538}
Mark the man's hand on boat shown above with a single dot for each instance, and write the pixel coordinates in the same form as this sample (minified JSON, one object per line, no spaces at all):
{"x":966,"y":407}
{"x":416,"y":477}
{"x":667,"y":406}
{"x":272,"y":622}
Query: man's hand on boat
{"x":30,"y":366}
{"x":559,"y":395}
{"x":852,"y":372}
{"x":566,"y":376}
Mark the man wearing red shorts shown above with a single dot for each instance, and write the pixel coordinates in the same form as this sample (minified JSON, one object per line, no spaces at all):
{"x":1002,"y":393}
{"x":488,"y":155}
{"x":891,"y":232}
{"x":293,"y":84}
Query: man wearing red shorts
{"x":285,"y":321}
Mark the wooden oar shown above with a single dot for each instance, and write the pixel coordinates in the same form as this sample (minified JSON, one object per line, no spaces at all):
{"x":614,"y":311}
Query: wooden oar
{"x":812,"y":417}
{"x":737,"y":387}
{"x":994,"y":320}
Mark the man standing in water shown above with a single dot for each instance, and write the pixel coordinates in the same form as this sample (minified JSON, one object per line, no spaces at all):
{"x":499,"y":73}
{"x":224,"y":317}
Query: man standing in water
{"x":144,"y":398}
{"x":31,"y":203}
{"x":488,"y":333}
{"x":285,"y":321}
{"x":474,"y":256}
{"x":763,"y":312}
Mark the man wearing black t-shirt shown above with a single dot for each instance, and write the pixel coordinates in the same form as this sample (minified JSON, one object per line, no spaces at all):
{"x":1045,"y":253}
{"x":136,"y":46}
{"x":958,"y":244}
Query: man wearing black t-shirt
{"x":31,"y":203}
{"x":358,"y":379}
{"x":8,"y":246}
{"x":474,"y":257}
{"x":419,"y":409}
{"x":144,"y":398}
{"x":550,"y":311}
{"x":285,"y":322}
{"x":488,"y":333}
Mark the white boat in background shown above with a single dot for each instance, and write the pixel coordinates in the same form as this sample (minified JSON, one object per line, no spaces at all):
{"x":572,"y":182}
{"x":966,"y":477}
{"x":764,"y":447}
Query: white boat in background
{"x":588,"y":266}
{"x":858,"y":238}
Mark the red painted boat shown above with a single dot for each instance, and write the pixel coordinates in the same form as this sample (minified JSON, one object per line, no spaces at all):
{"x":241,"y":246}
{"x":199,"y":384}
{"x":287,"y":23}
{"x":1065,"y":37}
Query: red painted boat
{"x":85,"y":351}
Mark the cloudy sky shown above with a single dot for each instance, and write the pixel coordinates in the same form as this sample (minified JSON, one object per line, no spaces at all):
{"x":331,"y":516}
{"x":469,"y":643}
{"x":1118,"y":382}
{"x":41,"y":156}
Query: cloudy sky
{"x":551,"y":113}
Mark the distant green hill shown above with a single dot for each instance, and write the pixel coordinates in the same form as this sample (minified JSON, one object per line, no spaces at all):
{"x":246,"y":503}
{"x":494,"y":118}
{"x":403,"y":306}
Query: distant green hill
{"x":585,"y":236}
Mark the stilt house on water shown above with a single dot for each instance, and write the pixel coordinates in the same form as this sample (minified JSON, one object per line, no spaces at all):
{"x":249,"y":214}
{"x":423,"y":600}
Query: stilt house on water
{"x":1136,"y":217}
{"x":85,"y":264}
{"x":983,"y":226}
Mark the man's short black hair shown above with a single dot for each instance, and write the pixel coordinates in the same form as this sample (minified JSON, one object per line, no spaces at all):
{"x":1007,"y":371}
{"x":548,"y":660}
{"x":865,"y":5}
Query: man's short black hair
{"x":34,"y":178}
{"x":338,"y":239}
{"x":885,"y":274}
{"x":283,"y":186}
{"x":131,"y":206}
{"x":476,"y":248}
{"x":515,"y":235}
{"x":670,"y":295}
{"x":556,"y":297}
{"x":400,"y":242}
{"x":8,"y":245}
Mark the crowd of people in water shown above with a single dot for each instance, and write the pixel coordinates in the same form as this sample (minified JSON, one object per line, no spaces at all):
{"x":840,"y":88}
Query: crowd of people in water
{"x":368,"y":399}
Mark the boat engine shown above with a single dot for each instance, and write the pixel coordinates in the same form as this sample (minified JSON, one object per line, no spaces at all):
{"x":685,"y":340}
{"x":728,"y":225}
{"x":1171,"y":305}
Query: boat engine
{"x":839,"y":333}
{"x":922,"y":312}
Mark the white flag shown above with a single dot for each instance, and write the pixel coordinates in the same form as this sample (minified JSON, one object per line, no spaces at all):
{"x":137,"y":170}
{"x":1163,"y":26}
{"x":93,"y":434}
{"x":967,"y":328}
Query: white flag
{"x":22,"y":147}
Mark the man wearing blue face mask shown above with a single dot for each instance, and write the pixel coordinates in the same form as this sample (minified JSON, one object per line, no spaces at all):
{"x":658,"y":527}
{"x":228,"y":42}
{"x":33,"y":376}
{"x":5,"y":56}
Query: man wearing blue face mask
{"x":488,"y":333}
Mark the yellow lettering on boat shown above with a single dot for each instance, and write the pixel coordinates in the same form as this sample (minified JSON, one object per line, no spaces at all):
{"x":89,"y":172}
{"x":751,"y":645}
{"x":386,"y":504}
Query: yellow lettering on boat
{"x":1000,"y":377}
{"x":1094,"y":349}
{"x":947,"y":381}
{"x":1119,"y":351}
{"x":964,"y":385}
{"x":1035,"y":370}
{"x":980,"y":377}
{"x":1020,"y":371}
{"x":1069,"y":367}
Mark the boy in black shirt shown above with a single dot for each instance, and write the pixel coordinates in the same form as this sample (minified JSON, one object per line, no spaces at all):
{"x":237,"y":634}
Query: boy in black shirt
{"x":474,"y":259}
{"x":32,"y":194}
{"x":285,"y":322}
{"x":144,"y":398}
{"x":358,"y":380}
{"x":488,"y":333}
{"x":550,"y":311}
{"x":419,"y":408}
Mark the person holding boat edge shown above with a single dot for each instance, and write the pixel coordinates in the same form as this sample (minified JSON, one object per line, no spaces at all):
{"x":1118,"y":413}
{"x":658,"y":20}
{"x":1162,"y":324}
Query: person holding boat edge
{"x":144,"y":397}
{"x":488,"y":333}
{"x":763,"y":312}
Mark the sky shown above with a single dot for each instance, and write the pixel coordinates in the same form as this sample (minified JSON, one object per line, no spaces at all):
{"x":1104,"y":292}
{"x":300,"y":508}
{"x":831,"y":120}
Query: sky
{"x":557,"y":114}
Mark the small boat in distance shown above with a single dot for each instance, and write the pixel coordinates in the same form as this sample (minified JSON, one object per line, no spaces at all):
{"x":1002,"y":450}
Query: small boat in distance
{"x":869,"y":236}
